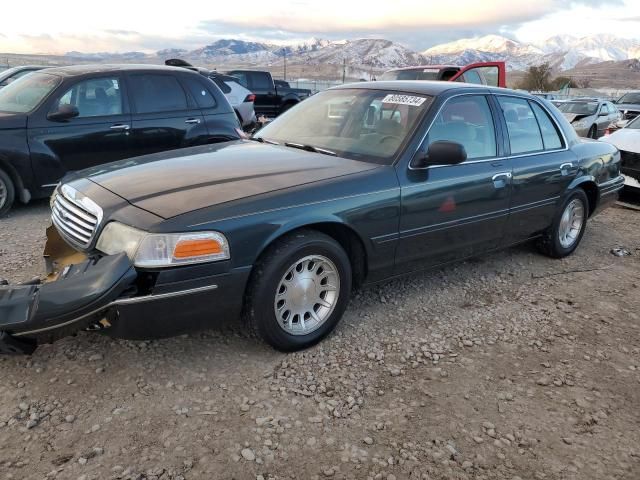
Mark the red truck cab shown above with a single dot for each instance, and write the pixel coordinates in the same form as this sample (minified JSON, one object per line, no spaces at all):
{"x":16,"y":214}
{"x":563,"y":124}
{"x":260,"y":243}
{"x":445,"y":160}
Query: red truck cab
{"x":484,"y":73}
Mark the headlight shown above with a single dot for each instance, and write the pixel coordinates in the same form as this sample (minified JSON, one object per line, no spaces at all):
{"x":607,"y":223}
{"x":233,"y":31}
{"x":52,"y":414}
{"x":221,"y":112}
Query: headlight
{"x":162,"y":249}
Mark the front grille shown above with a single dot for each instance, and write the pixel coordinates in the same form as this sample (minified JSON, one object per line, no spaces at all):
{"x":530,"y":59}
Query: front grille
{"x":75,"y":216}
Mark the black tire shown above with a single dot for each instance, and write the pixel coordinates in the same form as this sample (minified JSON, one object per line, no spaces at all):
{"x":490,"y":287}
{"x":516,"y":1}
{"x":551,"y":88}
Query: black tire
{"x":270,"y":270}
{"x":7,"y":193}
{"x":550,"y":244}
{"x":593,"y":132}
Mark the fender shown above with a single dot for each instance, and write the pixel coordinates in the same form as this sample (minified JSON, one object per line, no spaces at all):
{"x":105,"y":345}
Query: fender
{"x":303,"y":221}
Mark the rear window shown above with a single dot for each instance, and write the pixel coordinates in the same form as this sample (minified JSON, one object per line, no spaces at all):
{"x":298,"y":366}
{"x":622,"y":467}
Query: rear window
{"x":157,"y":93}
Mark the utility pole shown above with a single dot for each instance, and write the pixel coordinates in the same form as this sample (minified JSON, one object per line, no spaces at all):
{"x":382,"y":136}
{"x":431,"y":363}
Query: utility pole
{"x":284,"y":50}
{"x":344,"y":69}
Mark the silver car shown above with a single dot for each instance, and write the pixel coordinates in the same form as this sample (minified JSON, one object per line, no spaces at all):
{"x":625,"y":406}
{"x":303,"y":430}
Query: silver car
{"x":590,"y":117}
{"x":240,"y":98}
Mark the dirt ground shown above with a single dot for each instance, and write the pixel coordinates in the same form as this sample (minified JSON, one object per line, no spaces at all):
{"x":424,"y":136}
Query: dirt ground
{"x":512,"y":366}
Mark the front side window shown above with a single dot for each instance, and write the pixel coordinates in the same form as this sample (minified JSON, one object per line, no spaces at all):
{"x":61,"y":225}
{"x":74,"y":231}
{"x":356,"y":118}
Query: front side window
{"x":466,"y":120}
{"x":95,"y":97}
{"x":360,"y":124}
{"x":28,"y":93}
{"x":153,"y":93}
{"x":522,"y":126}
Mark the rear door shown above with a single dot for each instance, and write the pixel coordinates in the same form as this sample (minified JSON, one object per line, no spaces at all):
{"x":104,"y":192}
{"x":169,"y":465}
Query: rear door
{"x":99,"y":134}
{"x":492,"y":74}
{"x":267,"y":100}
{"x":455,"y":211}
{"x":543,"y":166}
{"x":164,"y":117}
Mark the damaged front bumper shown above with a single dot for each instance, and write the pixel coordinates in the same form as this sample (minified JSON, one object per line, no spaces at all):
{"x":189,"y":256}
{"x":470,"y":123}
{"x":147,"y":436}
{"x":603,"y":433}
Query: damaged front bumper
{"x":107,"y":293}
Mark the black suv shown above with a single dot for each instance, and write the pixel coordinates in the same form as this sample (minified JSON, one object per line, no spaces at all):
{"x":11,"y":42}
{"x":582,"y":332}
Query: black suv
{"x":70,"y":118}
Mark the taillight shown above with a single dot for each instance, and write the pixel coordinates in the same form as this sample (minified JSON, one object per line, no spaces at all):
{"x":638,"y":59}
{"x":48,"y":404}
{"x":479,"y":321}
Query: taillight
{"x":250,"y":98}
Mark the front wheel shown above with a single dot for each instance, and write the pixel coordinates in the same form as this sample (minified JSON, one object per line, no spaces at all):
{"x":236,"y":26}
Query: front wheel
{"x":7,"y":193}
{"x":566,"y":231}
{"x":593,"y":132}
{"x":299,"y":290}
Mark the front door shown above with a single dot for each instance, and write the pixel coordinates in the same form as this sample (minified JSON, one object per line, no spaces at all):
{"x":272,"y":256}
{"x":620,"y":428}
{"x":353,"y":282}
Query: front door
{"x":99,"y":134}
{"x":455,"y":211}
{"x":165,"y":117}
{"x":543,"y":167}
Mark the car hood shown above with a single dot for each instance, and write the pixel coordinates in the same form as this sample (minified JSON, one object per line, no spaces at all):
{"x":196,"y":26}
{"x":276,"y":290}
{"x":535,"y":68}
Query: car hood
{"x":627,"y":139}
{"x":572,"y":117}
{"x":176,"y":182}
{"x":12,"y":120}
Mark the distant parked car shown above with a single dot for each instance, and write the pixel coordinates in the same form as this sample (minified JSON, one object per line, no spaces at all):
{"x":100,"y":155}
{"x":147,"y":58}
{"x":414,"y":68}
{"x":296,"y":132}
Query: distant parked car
{"x":70,"y":118}
{"x":590,"y":117}
{"x":271,"y":99}
{"x":483,"y":73}
{"x":627,"y":140}
{"x":12,"y":74}
{"x":629,"y":105}
{"x":240,"y":98}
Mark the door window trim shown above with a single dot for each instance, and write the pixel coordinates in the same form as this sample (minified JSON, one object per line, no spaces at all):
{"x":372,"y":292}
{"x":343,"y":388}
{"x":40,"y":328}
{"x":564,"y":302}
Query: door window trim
{"x":493,"y":159}
{"x":134,"y":105}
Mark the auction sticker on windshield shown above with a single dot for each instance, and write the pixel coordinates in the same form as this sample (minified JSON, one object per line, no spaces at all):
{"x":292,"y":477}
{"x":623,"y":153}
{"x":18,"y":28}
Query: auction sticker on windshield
{"x":404,"y":100}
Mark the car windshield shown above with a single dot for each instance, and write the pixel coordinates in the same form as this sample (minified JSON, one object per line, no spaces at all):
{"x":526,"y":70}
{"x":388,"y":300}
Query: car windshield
{"x":414,"y":74}
{"x":631,"y":97}
{"x":579,"y":108}
{"x":360,"y":124}
{"x":26,"y":93}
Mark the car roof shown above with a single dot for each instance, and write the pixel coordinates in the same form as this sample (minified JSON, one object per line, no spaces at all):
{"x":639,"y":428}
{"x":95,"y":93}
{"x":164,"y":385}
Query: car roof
{"x":76,"y":70}
{"x":425,"y":87}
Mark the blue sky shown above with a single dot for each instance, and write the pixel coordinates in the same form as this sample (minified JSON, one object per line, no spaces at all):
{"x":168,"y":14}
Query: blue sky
{"x":126,"y":25}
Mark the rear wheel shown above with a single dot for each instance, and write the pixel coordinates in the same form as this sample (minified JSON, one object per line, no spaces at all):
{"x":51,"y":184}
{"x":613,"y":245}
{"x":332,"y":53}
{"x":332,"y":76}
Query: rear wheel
{"x":299,"y":290}
{"x":7,"y":193}
{"x":567,"y":229}
{"x":593,"y":132}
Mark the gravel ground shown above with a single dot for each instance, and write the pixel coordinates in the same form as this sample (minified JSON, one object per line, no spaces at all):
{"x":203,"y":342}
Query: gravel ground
{"x":513,"y":366}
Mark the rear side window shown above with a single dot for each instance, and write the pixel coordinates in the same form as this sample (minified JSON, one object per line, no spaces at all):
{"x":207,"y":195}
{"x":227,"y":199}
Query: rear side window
{"x":221,"y":84}
{"x":522,"y":126}
{"x":550,"y":136}
{"x":466,"y":120}
{"x":200,"y":93}
{"x":260,"y":80}
{"x":157,"y":93}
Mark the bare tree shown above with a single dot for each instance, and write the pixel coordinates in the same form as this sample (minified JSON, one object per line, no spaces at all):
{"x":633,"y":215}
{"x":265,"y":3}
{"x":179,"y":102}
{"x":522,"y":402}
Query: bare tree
{"x":537,"y":78}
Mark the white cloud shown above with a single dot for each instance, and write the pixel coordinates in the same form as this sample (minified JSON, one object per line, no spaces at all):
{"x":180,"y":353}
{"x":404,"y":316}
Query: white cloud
{"x":119,"y":25}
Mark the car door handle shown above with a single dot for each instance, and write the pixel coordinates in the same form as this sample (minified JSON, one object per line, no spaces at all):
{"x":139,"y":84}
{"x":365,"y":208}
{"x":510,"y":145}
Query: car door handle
{"x":192,"y":120}
{"x":565,"y":168}
{"x":120,"y":126}
{"x":500,"y":180}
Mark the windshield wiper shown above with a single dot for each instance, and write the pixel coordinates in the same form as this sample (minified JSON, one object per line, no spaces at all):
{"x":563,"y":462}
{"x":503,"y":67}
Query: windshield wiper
{"x":311,"y":148}
{"x":263,"y":140}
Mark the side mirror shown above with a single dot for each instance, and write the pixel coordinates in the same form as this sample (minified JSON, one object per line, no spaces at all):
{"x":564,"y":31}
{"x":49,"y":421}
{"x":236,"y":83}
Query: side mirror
{"x":63,"y":113}
{"x":441,"y":152}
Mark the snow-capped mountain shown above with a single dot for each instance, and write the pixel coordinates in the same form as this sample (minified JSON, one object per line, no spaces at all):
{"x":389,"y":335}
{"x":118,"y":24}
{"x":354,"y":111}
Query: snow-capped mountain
{"x":561,"y":51}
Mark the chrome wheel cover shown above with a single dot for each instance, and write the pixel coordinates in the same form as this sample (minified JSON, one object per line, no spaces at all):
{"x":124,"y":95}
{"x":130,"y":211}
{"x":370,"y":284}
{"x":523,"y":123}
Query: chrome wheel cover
{"x":4,"y":193}
{"x":571,"y":223}
{"x":307,"y":295}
